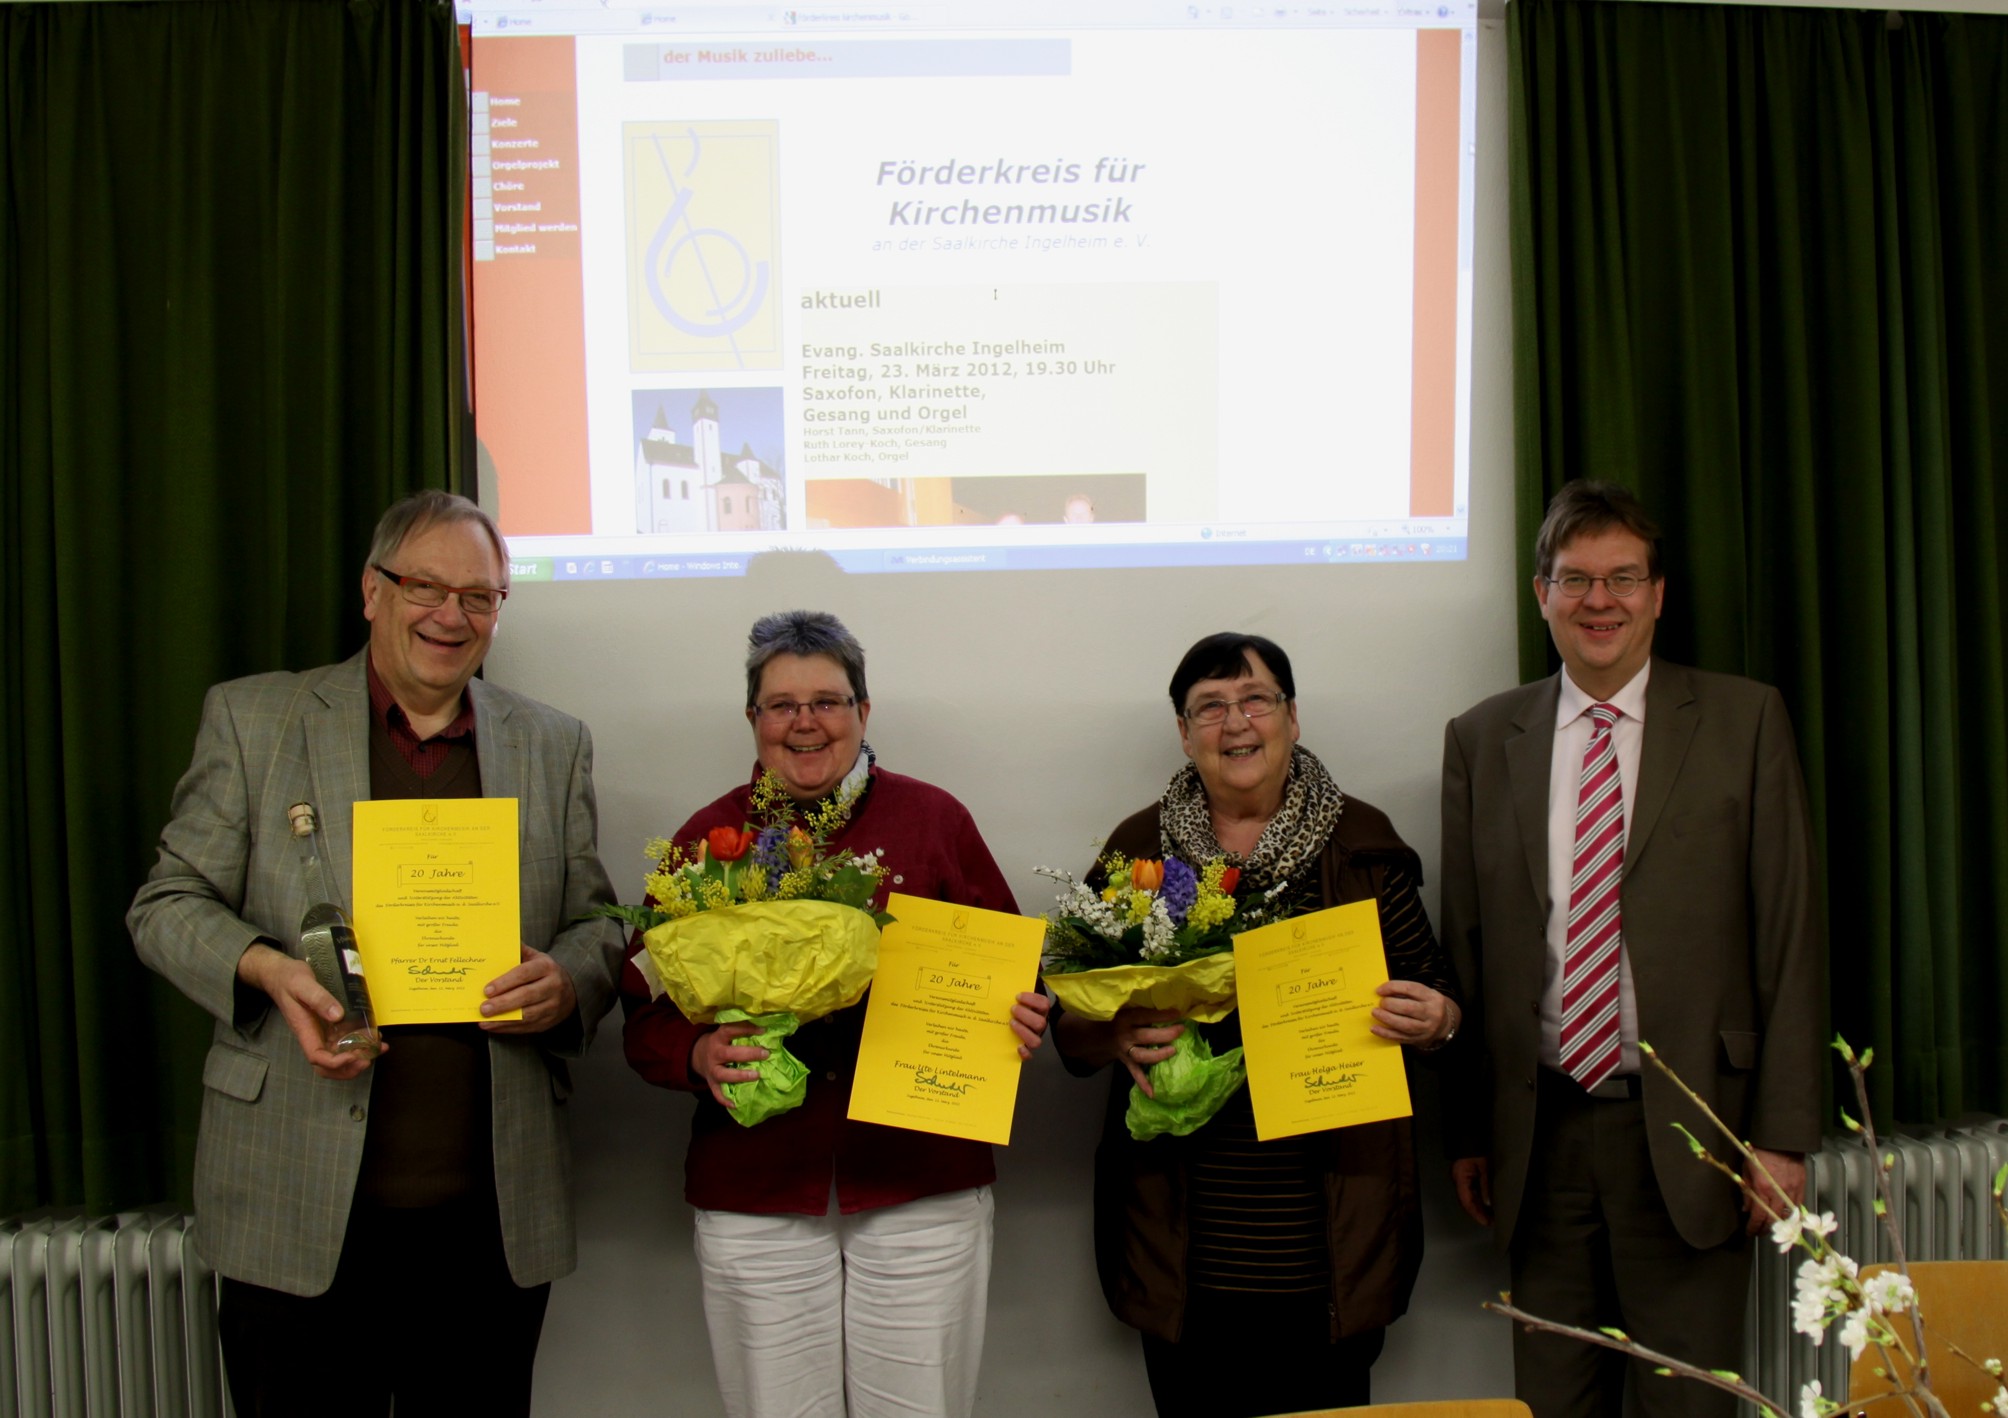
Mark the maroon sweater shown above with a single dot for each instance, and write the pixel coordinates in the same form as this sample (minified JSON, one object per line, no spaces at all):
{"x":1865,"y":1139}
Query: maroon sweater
{"x":786,"y":1163}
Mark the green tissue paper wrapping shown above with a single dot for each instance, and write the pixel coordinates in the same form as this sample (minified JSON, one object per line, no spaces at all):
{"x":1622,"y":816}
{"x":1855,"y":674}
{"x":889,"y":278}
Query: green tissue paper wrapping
{"x":783,"y":1080}
{"x":1189,"y":1086}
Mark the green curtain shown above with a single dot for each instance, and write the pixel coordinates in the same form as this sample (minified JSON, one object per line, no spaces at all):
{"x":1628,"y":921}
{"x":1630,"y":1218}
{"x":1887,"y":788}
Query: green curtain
{"x":230,"y":335}
{"x":1758,"y":276}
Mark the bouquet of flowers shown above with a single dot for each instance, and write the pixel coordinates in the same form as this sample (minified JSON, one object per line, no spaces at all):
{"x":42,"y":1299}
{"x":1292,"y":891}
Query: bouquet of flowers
{"x":1158,"y":935}
{"x":761,"y":922}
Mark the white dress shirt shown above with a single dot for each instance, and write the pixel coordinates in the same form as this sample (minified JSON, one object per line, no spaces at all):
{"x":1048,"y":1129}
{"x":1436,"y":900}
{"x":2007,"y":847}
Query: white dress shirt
{"x":1573,"y":727}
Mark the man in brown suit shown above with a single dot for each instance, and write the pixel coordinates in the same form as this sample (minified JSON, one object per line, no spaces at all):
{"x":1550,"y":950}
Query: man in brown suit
{"x":1687,"y":918}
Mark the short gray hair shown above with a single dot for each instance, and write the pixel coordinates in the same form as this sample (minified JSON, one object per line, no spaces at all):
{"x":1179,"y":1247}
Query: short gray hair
{"x":423,"y":510}
{"x":802,"y":633}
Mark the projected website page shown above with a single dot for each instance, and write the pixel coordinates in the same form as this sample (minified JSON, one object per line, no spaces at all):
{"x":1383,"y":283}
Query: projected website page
{"x":972,"y":286}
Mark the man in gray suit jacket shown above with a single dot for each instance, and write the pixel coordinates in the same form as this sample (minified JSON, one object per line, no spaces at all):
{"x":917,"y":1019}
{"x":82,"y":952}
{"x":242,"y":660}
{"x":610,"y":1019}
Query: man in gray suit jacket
{"x":1627,"y":857}
{"x":386,"y":1227}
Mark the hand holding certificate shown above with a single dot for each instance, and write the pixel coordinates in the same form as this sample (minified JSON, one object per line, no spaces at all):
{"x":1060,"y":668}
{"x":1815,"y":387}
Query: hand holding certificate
{"x":1308,"y":991}
{"x":938,"y":1052}
{"x":437,"y":911}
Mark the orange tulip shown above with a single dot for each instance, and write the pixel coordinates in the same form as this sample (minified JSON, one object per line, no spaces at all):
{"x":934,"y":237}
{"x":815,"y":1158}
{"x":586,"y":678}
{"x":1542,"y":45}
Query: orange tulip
{"x":1229,"y":879}
{"x":729,"y":844}
{"x":801,"y":849}
{"x":1146,"y":875}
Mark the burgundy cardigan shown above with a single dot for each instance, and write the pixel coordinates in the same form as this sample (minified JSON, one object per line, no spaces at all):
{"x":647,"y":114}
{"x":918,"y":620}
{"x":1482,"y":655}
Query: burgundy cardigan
{"x":787,"y":1163}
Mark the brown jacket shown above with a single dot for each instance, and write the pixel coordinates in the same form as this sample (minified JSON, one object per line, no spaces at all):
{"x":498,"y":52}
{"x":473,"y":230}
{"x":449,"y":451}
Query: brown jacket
{"x":1721,"y":924}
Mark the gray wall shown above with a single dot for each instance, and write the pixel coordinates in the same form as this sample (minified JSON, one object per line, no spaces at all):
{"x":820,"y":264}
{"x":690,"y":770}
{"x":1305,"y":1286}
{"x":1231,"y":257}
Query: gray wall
{"x":1038,"y":699}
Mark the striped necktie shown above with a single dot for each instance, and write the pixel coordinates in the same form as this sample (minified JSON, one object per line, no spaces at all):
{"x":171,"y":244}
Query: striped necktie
{"x":1590,"y":1046}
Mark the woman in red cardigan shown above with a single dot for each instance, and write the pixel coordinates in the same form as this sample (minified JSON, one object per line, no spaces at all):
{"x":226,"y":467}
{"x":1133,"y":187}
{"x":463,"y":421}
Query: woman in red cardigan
{"x":845,"y":1264}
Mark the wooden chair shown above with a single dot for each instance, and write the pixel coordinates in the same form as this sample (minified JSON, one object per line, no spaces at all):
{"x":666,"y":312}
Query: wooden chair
{"x":1441,"y":1408}
{"x":1964,"y":1302}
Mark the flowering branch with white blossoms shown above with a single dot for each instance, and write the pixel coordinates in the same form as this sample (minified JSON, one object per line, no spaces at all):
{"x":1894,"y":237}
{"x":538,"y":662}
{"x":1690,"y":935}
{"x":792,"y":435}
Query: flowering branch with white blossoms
{"x":1828,"y":1286}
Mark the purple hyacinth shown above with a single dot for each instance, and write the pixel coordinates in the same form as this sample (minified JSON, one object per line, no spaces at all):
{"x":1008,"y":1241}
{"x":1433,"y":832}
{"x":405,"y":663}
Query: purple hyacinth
{"x":770,"y":850}
{"x":1180,"y":889}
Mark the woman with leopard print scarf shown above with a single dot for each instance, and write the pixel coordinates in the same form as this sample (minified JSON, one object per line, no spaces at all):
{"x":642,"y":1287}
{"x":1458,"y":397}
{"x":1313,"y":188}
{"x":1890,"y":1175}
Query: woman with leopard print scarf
{"x":1294,"y":1254}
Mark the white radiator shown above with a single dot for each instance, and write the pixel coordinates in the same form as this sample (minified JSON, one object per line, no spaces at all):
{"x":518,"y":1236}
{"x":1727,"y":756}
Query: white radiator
{"x":1941,"y":1193}
{"x":107,"y":1317}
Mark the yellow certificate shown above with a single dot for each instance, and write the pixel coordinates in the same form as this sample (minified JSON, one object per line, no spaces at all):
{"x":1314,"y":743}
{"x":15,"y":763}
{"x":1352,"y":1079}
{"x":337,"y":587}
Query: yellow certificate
{"x":1307,"y":996}
{"x":938,"y":1054}
{"x":437,"y":913}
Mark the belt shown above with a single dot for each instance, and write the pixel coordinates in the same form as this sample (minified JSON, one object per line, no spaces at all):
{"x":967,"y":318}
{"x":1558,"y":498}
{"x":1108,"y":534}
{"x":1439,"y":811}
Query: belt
{"x":1617,"y":1088}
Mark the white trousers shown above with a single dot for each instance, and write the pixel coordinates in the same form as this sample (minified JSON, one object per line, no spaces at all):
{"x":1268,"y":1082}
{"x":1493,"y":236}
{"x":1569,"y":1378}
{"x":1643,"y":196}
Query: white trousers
{"x":876,"y":1315}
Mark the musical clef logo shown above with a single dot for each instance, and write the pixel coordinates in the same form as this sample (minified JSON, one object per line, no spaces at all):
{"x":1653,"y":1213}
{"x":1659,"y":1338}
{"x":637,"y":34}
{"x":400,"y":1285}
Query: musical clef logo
{"x":702,"y":232}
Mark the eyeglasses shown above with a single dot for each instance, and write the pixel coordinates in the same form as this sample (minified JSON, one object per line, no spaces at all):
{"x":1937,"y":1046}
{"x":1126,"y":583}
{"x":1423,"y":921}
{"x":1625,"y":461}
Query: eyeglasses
{"x":474,"y":600}
{"x":1575,"y":585}
{"x":1252,"y":706}
{"x":785,"y":710}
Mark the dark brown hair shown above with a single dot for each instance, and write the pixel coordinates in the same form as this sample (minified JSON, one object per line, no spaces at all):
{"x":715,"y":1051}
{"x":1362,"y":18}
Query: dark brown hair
{"x":1590,"y":507}
{"x":1225,"y":656}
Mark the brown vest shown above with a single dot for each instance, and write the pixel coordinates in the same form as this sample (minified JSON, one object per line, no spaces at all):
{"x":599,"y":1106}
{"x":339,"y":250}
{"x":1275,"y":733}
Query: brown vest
{"x":429,"y":1130}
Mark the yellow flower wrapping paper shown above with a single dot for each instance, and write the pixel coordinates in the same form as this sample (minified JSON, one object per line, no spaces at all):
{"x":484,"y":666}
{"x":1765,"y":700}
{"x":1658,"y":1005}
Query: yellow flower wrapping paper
{"x":805,"y":958}
{"x":1201,"y":989}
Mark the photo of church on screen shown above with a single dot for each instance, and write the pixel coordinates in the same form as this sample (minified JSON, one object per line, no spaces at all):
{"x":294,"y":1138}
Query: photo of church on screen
{"x":685,"y":482}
